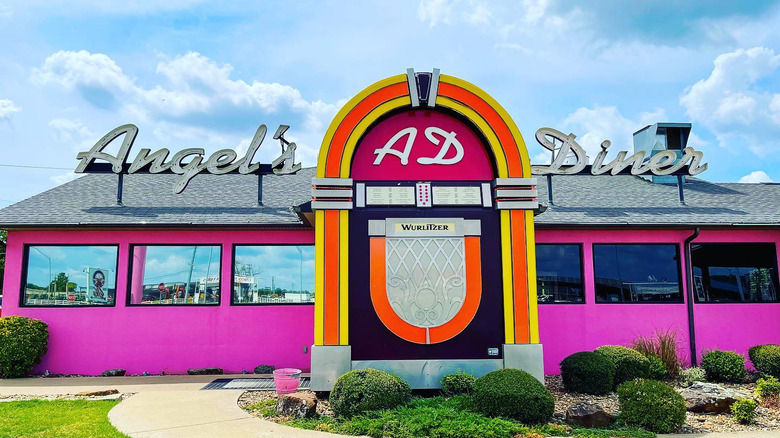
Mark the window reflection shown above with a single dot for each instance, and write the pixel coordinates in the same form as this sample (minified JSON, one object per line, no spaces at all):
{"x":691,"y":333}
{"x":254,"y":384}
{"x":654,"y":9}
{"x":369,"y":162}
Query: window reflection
{"x":273,"y":274}
{"x":637,"y":273}
{"x":734,"y":272}
{"x":559,"y":274}
{"x":70,"y":275}
{"x":175,"y":275}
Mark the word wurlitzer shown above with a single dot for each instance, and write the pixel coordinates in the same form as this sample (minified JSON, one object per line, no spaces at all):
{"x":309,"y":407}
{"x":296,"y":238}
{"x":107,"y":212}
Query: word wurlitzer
{"x":663,"y":163}
{"x":220,"y":162}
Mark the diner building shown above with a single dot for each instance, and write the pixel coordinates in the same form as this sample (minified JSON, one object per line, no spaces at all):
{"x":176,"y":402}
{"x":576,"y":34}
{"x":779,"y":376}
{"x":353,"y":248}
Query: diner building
{"x":422,"y":242}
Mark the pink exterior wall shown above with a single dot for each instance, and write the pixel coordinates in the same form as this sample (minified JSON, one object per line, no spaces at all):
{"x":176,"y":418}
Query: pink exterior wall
{"x":89,"y":340}
{"x":569,"y":328}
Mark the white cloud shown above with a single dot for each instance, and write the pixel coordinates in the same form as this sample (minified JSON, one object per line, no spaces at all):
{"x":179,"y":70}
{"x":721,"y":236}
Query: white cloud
{"x":732,"y":103}
{"x":64,"y":178}
{"x":192,"y":86}
{"x":758,"y":176}
{"x":6,"y":11}
{"x":594,"y":125}
{"x":7,"y":109}
{"x":66,"y":130}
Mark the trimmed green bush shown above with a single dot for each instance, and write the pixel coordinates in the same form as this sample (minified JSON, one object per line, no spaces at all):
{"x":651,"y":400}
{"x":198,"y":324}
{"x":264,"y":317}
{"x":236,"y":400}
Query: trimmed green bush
{"x":766,"y":359}
{"x":651,"y":404}
{"x":514,"y":394}
{"x":629,"y":363}
{"x":23,"y":341}
{"x":588,"y":372}
{"x":691,"y":375}
{"x":657,"y":369}
{"x":458,"y":383}
{"x":768,"y":390}
{"x":744,"y":410}
{"x":359,"y":391}
{"x":723,"y":366}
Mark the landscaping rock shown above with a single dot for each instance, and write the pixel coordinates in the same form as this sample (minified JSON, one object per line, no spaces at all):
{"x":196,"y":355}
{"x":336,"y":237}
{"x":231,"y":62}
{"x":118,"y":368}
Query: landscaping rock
{"x":264,"y":369}
{"x":114,"y":373}
{"x":98,"y":393}
{"x":709,"y":398}
{"x":297,"y":405}
{"x":204,"y":371}
{"x":585,"y":414}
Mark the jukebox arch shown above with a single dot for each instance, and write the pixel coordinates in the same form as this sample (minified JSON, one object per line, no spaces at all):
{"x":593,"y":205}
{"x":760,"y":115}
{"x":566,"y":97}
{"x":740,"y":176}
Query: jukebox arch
{"x":512,"y":193}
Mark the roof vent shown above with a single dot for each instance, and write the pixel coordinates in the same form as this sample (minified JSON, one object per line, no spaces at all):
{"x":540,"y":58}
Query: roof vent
{"x":659,"y":137}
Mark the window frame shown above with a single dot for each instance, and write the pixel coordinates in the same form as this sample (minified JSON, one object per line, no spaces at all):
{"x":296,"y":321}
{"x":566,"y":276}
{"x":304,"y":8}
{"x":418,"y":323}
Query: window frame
{"x":677,"y":246}
{"x":775,"y":278}
{"x":233,"y":274}
{"x":582,"y":273}
{"x":130,"y":275}
{"x":23,"y":278}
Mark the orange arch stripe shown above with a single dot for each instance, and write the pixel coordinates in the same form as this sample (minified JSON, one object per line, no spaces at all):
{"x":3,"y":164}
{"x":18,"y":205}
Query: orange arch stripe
{"x":505,"y":137}
{"x":520,"y":276}
{"x":331,"y":277}
{"x":354,"y":117}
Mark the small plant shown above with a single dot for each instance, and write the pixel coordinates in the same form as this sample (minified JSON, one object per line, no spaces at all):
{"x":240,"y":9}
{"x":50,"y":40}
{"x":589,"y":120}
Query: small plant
{"x":657,"y":369}
{"x":768,"y":391}
{"x":458,"y":383}
{"x":514,"y":394}
{"x":766,"y":359}
{"x":651,"y":404}
{"x":23,"y":342}
{"x":629,"y":364}
{"x":723,"y":366}
{"x":689,"y":376}
{"x":588,"y":372}
{"x":365,"y":390}
{"x":664,"y":345}
{"x":744,"y":410}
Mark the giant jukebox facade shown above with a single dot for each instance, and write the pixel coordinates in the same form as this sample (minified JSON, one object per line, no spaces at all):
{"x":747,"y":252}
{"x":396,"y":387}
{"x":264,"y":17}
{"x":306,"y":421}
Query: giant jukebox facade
{"x":424,"y":207}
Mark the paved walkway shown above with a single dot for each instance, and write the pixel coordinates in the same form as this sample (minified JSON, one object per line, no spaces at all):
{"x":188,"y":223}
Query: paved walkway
{"x":174,"y":406}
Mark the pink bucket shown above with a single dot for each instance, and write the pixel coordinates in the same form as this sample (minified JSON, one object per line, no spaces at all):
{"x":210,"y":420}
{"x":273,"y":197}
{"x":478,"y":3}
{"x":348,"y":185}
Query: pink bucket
{"x":287,"y":380}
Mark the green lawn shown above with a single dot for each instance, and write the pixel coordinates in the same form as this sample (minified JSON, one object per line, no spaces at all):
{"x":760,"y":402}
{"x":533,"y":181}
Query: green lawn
{"x":57,"y":418}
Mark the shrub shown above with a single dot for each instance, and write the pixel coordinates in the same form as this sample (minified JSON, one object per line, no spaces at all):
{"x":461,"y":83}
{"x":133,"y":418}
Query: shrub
{"x":723,"y":366}
{"x":689,"y":376}
{"x":744,"y":410}
{"x":23,"y":341}
{"x":665,"y":345}
{"x":766,"y":359}
{"x":768,"y":390}
{"x":588,"y":372}
{"x":365,"y":390}
{"x":513,"y":394}
{"x":657,"y":369}
{"x":458,"y":383}
{"x":651,"y":404}
{"x":629,"y":364}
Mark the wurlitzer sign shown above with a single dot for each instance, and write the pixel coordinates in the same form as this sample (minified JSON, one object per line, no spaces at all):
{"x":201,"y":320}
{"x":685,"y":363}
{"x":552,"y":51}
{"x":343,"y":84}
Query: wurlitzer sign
{"x":187,"y":162}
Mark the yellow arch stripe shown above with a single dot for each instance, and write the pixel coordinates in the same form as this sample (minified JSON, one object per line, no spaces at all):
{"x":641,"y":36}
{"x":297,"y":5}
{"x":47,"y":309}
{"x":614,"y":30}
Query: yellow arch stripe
{"x":319,"y":277}
{"x":530,"y":251}
{"x":483,"y":126}
{"x":506,"y":277}
{"x":525,"y":162}
{"x":368,"y":120}
{"x":343,"y":277}
{"x":343,"y":112}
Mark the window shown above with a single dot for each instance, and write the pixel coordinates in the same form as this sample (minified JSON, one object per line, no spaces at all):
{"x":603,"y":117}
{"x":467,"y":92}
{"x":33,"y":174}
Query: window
{"x":641,"y":273}
{"x":559,"y":274}
{"x":175,"y":275}
{"x":273,"y":274}
{"x":56,"y":275}
{"x":734,"y":272}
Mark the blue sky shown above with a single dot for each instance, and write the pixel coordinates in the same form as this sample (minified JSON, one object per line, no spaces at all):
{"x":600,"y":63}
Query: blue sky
{"x":205,"y":74}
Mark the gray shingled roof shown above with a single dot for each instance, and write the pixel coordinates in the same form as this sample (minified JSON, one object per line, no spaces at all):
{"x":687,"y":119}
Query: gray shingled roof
{"x":149,"y":199}
{"x":231,"y":200}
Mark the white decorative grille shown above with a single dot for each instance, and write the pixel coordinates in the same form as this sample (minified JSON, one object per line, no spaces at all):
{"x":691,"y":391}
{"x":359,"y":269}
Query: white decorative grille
{"x":425,"y":279}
